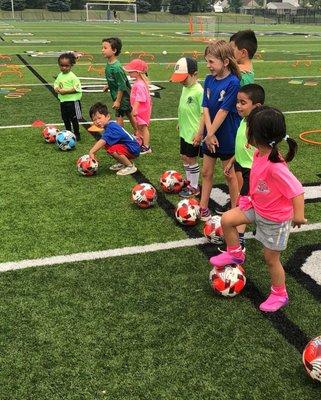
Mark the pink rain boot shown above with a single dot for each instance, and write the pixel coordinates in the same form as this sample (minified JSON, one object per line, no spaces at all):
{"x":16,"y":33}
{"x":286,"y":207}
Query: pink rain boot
{"x":233,"y":255}
{"x":277,"y":299}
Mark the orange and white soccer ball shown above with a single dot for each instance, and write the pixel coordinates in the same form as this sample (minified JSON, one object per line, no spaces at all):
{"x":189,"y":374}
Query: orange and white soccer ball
{"x":188,"y":211}
{"x":228,"y":281}
{"x":87,"y":165}
{"x":213,"y":230}
{"x":171,"y":181}
{"x":50,"y":133}
{"x":311,"y":358}
{"x":144,"y":195}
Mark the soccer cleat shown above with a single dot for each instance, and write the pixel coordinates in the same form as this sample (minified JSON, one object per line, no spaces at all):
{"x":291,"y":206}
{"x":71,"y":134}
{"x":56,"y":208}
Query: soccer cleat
{"x":274,"y":302}
{"x":226,"y":258}
{"x":131,"y":169}
{"x":205,"y":214}
{"x":189,"y":191}
{"x":145,"y":149}
{"x":117,"y":167}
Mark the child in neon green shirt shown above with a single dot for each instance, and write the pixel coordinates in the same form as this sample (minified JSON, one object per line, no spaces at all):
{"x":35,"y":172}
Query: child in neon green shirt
{"x":190,"y":122}
{"x":67,"y":86}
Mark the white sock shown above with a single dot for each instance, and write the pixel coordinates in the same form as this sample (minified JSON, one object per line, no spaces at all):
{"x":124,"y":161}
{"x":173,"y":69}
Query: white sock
{"x":187,"y":173}
{"x":194,"y":173}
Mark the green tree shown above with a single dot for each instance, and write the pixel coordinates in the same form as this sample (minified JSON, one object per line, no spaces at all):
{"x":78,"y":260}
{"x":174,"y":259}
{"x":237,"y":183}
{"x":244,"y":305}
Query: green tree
{"x":58,"y":5}
{"x":235,"y":5}
{"x":7,"y":6}
{"x":77,"y":4}
{"x":181,"y":7}
{"x":201,"y":6}
{"x":143,"y":6}
{"x":316,"y":4}
{"x":32,"y":4}
{"x":155,"y":5}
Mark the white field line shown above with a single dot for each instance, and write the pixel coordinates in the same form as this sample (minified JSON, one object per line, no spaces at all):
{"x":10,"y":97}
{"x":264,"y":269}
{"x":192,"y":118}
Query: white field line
{"x":124,"y":251}
{"x":152,"y":119}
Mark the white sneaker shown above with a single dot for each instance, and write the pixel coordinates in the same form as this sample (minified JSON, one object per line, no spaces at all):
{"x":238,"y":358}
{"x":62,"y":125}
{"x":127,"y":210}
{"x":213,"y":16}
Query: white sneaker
{"x":127,"y":170}
{"x":117,"y":167}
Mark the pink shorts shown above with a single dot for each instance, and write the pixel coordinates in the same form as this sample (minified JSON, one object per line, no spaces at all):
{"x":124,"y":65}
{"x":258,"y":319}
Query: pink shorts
{"x":120,"y":149}
{"x":142,"y":121}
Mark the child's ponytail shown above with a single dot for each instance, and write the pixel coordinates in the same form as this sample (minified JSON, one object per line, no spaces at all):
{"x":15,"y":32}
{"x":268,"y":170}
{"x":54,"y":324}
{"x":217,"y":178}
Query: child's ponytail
{"x":293,"y":147}
{"x":266,"y":127}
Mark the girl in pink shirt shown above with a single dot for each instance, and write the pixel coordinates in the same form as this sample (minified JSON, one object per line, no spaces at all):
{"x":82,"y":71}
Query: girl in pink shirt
{"x":140,"y":101}
{"x":275,"y":200}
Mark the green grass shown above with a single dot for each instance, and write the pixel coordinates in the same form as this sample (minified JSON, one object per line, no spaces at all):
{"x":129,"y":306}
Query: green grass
{"x":144,"y":326}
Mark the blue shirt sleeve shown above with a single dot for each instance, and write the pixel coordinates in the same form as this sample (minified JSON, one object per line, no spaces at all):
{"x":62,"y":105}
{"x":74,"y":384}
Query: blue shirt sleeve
{"x":205,"y":99}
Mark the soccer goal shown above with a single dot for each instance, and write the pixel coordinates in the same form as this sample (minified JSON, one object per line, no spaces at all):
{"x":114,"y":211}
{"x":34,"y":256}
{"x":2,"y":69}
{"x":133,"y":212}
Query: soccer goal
{"x":111,"y":11}
{"x":201,"y":25}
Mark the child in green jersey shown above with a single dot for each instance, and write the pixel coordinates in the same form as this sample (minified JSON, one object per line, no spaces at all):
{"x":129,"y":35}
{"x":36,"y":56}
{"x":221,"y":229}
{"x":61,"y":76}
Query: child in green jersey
{"x":117,"y":81}
{"x":244,"y":44}
{"x":190,"y":122}
{"x":68,"y":87}
{"x":248,"y":97}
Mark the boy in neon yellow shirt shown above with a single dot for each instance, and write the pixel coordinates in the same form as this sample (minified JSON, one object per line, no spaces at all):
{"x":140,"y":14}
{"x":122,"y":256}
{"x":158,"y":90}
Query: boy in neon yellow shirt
{"x":190,"y":122}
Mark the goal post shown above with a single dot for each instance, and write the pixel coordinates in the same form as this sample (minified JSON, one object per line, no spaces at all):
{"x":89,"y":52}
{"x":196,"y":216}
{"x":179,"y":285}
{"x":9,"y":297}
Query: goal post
{"x":111,"y":11}
{"x":203,"y":25}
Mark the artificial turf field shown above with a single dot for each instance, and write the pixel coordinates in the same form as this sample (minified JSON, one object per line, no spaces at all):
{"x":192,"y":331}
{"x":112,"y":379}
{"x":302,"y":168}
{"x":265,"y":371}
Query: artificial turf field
{"x":143,"y":325}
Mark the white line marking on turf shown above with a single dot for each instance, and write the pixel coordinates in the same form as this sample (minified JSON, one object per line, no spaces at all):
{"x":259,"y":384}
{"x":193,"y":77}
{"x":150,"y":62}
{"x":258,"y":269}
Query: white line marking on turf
{"x":124,"y":251}
{"x":152,"y":119}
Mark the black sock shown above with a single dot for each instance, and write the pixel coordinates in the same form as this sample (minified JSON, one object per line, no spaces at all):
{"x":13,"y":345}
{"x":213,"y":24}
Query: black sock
{"x":242,"y":240}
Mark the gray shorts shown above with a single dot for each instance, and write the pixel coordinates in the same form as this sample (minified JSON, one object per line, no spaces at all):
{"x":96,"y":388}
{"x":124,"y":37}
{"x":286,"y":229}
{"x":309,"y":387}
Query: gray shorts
{"x":273,"y":235}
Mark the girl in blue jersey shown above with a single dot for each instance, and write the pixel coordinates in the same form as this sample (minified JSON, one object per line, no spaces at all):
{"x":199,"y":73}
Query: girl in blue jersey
{"x":221,"y":118}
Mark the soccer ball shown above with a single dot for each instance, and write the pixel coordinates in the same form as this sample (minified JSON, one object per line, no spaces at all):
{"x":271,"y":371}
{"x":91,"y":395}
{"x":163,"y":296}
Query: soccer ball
{"x":87,"y":165}
{"x":164,"y":52}
{"x":144,"y":195}
{"x":188,"y":211}
{"x":171,"y":181}
{"x":311,"y":358}
{"x":50,"y":133}
{"x":66,"y":140}
{"x":228,"y":281}
{"x":213,"y":230}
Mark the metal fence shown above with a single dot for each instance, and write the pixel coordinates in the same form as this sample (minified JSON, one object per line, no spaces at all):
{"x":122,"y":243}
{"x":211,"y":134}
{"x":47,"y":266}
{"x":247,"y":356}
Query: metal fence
{"x":252,"y":16}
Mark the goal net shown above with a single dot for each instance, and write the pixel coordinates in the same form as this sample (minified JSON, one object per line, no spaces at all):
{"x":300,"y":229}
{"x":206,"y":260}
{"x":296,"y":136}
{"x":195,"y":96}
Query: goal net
{"x":111,"y":12}
{"x":203,"y":25}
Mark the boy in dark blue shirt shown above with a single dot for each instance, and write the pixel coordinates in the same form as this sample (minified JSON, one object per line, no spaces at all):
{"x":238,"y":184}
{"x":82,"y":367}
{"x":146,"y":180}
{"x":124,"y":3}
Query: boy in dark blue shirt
{"x":119,"y":143}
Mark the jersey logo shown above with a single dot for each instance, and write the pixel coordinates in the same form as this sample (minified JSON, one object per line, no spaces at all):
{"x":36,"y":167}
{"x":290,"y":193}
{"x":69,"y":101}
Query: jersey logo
{"x":190,"y":100}
{"x":262,"y":187}
{"x":222,"y":94}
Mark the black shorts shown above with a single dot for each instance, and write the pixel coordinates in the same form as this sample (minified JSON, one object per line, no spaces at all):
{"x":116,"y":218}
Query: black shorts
{"x":71,"y":110}
{"x":123,"y":111}
{"x":222,"y":157}
{"x":187,"y":149}
{"x":246,"y":178}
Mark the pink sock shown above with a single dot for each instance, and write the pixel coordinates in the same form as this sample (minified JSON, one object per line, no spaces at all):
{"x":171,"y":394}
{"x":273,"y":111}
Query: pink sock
{"x":279,"y":290}
{"x":235,"y":251}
